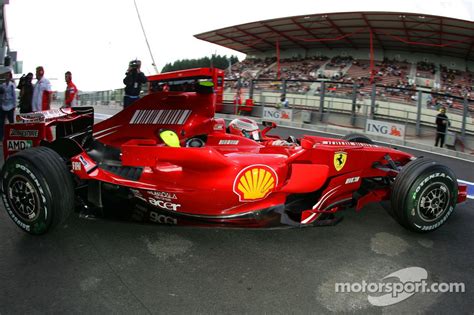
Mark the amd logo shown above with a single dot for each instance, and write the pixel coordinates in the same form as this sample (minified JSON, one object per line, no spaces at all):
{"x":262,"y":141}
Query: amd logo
{"x":18,"y":145}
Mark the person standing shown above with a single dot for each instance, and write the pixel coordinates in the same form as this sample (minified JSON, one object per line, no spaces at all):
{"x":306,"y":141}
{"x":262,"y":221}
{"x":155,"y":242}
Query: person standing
{"x":70,"y":96}
{"x":26,"y":93}
{"x":442,"y":124}
{"x":42,"y":98}
{"x":284,"y":102}
{"x":41,"y":92}
{"x":133,"y":81}
{"x":8,"y":102}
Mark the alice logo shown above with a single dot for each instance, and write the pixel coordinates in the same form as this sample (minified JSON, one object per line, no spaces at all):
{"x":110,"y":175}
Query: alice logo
{"x":255,"y":182}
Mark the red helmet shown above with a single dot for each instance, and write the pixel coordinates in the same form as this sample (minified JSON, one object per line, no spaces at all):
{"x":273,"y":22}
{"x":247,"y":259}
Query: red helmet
{"x":245,"y":127}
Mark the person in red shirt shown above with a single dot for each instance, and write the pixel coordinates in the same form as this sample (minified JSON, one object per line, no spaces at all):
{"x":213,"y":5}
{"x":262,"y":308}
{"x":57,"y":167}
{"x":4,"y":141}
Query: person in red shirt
{"x":70,"y":97}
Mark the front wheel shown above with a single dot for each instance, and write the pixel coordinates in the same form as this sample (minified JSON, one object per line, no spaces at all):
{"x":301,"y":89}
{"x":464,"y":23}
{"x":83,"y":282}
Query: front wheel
{"x":424,"y":195}
{"x":37,"y":189}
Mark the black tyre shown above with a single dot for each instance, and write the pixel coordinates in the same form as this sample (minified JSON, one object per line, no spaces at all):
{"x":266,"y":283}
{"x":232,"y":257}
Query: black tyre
{"x":424,"y":195}
{"x":357,"y":137}
{"x":37,"y":189}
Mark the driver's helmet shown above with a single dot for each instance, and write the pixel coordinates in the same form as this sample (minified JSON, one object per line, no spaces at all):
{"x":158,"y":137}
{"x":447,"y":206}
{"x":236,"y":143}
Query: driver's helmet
{"x":245,"y":127}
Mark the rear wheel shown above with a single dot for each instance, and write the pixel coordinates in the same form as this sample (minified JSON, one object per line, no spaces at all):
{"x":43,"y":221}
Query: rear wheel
{"x":357,"y":137}
{"x":37,"y":189}
{"x":424,"y":195}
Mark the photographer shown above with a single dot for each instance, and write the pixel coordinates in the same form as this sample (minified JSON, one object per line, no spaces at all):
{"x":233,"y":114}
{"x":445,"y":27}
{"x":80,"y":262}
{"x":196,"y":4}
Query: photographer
{"x":26,"y":93}
{"x":133,"y":82}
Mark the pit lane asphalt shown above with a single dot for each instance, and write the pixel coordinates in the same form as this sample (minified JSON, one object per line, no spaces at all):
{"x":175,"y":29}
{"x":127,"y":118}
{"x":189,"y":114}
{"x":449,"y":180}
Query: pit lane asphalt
{"x":100,"y":266}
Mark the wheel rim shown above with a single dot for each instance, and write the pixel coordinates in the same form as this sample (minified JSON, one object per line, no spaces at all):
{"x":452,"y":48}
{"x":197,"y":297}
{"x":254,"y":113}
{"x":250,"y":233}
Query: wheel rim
{"x":23,"y":198}
{"x":434,"y":201}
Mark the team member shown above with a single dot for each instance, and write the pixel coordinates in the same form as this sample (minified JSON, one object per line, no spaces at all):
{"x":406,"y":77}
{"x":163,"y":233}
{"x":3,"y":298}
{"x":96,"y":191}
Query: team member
{"x":41,"y":92}
{"x":42,"y":97}
{"x":70,"y":96}
{"x":442,"y":124}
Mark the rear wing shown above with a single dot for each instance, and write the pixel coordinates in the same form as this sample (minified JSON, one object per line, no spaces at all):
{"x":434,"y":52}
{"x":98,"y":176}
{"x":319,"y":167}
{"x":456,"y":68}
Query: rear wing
{"x":30,"y":129}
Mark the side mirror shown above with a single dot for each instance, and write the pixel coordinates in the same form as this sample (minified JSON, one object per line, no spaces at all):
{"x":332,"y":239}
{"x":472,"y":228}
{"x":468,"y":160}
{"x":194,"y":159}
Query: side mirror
{"x":170,"y":138}
{"x":306,"y":144}
{"x":269,"y":124}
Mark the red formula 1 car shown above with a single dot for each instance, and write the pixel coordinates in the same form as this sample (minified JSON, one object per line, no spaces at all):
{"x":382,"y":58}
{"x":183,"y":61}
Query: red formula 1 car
{"x":166,"y":159}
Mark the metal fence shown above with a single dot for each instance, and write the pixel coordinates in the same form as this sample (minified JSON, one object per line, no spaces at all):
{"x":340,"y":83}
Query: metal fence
{"x":334,"y":103}
{"x":352,"y":105}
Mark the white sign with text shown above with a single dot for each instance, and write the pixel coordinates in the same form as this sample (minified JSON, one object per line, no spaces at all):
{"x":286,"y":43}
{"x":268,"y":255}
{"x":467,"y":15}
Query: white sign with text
{"x":283,"y":114}
{"x":385,"y":129}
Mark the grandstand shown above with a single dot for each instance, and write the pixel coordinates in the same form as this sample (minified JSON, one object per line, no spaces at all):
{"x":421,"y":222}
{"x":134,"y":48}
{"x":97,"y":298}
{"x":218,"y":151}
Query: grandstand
{"x":392,"y":49}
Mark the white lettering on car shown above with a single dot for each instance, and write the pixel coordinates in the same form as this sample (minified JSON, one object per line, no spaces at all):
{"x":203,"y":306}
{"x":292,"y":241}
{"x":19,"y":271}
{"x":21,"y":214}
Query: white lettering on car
{"x":164,"y":204}
{"x":163,"y":195}
{"x":76,"y":166}
{"x":352,"y":180}
{"x":18,"y":145}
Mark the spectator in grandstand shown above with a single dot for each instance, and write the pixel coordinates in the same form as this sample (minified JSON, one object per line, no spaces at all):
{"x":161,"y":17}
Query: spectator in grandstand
{"x":133,"y":81}
{"x":41,"y":92}
{"x":70,"y":96}
{"x":8,"y":101}
{"x":442,"y":124}
{"x":26,"y":93}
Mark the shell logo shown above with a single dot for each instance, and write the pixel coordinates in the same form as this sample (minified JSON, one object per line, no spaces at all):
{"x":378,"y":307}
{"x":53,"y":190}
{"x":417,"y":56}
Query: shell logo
{"x":255,"y":182}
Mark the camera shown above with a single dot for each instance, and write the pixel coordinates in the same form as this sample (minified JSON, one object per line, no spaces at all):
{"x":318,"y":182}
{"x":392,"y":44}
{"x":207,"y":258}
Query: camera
{"x":134,"y":64}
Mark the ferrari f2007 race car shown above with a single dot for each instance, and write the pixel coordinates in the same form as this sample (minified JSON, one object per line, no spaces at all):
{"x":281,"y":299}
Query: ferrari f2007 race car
{"x":167,"y":159}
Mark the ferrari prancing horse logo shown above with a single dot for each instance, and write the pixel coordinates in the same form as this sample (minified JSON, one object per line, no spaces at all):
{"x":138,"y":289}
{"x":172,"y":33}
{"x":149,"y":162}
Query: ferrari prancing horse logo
{"x":340,"y":159}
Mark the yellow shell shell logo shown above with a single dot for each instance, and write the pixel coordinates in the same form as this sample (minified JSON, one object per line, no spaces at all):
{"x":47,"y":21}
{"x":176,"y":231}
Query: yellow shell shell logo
{"x":255,"y":182}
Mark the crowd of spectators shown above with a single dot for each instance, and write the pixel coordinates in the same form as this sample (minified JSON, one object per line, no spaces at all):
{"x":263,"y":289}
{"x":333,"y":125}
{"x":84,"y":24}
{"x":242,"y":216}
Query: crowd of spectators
{"x":296,"y":68}
{"x":339,"y":62}
{"x":392,"y":74}
{"x":248,"y":68}
{"x":425,"y":69}
{"x":455,"y":82}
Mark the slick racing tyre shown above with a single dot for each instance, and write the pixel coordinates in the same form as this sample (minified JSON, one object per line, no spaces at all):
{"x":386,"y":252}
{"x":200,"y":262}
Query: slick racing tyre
{"x":37,"y":189}
{"x":357,"y":137}
{"x":424,"y":195}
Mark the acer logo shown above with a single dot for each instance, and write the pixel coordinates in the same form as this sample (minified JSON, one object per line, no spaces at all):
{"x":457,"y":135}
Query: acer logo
{"x":164,"y":204}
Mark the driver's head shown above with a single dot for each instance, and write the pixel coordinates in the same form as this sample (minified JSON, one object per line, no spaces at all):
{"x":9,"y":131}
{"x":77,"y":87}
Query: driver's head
{"x":245,"y":127}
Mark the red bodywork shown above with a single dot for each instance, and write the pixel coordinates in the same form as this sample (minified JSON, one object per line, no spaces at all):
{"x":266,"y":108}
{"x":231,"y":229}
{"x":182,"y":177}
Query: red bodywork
{"x":231,"y":179}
